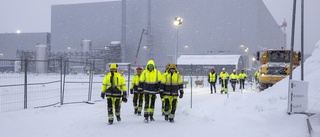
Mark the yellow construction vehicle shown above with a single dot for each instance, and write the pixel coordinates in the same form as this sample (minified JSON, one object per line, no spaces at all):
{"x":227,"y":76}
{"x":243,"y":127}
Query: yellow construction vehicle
{"x":275,"y":66}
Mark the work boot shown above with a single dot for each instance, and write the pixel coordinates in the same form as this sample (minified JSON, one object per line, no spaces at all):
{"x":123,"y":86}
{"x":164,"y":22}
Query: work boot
{"x":118,"y":118}
{"x":221,"y":92}
{"x":171,"y":120}
{"x":135,"y":111}
{"x":162,"y":114}
{"x":166,"y":117}
{"x":139,"y":113}
{"x":110,"y":122}
{"x":146,"y":120}
{"x":211,"y":92}
{"x":151,"y":118}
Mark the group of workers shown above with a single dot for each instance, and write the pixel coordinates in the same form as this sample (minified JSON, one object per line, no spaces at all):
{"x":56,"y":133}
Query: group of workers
{"x":224,"y":78}
{"x":145,"y":86}
{"x":149,"y":82}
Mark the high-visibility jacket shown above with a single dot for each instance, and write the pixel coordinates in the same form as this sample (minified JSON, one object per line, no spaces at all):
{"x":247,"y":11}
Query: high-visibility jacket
{"x":212,"y":77}
{"x":224,"y":75}
{"x":150,"y":80}
{"x":171,"y":83}
{"x":256,"y":74}
{"x":113,"y":85}
{"x":242,"y":75}
{"x":135,"y":82}
{"x":233,"y":77}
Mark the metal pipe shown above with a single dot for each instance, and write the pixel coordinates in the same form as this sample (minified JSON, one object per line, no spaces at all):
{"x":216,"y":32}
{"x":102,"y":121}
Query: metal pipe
{"x":302,"y":39}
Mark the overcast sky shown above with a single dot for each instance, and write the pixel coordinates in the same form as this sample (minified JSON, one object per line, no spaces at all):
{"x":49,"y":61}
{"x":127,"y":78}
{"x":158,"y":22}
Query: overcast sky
{"x":35,"y":16}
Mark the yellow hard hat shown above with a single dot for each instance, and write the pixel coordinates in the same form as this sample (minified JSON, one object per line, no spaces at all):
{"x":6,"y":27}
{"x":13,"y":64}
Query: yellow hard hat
{"x":172,"y":66}
{"x":113,"y":66}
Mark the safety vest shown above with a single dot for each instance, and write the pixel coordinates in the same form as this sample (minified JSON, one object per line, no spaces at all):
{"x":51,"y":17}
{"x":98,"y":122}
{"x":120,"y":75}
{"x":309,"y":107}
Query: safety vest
{"x":212,"y":77}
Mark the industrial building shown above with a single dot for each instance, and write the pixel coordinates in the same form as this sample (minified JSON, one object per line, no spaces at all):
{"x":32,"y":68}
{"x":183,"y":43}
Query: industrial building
{"x":209,"y":27}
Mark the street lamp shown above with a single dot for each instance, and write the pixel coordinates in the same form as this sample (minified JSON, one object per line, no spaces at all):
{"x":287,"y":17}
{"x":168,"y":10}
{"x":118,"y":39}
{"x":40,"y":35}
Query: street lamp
{"x":284,"y":25}
{"x":69,"y":49}
{"x":177,"y":21}
{"x":246,"y":56}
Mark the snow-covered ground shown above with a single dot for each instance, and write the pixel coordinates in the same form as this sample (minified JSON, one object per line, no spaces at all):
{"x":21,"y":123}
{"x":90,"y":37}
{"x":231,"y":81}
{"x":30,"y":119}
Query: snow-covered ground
{"x":247,"y":114}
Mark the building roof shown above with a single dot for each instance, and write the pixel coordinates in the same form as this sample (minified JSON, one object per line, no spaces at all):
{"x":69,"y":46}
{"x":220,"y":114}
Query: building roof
{"x":208,"y":59}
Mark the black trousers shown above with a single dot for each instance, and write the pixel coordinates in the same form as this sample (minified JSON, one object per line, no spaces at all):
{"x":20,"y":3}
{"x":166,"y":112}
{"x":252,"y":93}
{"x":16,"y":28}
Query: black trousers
{"x":241,"y":83}
{"x":213,"y":84}
{"x":149,"y":104}
{"x":170,"y":105}
{"x":233,"y":85}
{"x":113,"y":102}
{"x":137,"y":101}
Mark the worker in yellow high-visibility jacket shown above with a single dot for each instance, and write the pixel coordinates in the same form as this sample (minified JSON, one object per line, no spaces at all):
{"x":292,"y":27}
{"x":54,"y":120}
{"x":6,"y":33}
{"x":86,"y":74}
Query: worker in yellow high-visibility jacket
{"x":114,"y":88}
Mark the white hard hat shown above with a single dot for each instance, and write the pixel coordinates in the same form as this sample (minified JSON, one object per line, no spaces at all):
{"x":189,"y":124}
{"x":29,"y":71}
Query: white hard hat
{"x":234,"y":70}
{"x":223,"y":69}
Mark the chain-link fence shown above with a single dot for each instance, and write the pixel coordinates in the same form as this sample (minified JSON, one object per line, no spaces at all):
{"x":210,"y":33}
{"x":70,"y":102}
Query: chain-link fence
{"x":24,"y":85}
{"x":29,"y":83}
{"x":39,"y":83}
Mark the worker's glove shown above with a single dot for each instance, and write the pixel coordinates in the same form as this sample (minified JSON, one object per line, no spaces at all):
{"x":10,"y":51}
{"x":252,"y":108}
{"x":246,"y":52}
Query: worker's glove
{"x":181,"y":94}
{"x":124,"y":97}
{"x":161,"y":95}
{"x":103,"y":95}
{"x":124,"y":94}
{"x":131,"y":91}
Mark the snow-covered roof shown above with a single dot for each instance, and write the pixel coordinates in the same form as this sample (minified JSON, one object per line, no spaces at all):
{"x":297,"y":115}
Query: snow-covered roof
{"x":208,"y":59}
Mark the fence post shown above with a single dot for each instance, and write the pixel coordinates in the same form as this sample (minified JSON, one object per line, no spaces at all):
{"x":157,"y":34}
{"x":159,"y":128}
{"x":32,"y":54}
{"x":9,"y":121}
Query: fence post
{"x":128,"y":83}
{"x":90,"y":80}
{"x":191,"y":85}
{"x":25,"y":83}
{"x":62,"y":84}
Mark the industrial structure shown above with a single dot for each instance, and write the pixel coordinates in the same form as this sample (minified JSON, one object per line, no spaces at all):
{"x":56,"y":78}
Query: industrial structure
{"x":87,"y":32}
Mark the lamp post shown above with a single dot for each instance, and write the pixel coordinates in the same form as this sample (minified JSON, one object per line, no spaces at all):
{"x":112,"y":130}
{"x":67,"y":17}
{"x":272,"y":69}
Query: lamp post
{"x":177,"y":21}
{"x":284,"y":25}
{"x":246,"y":56}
